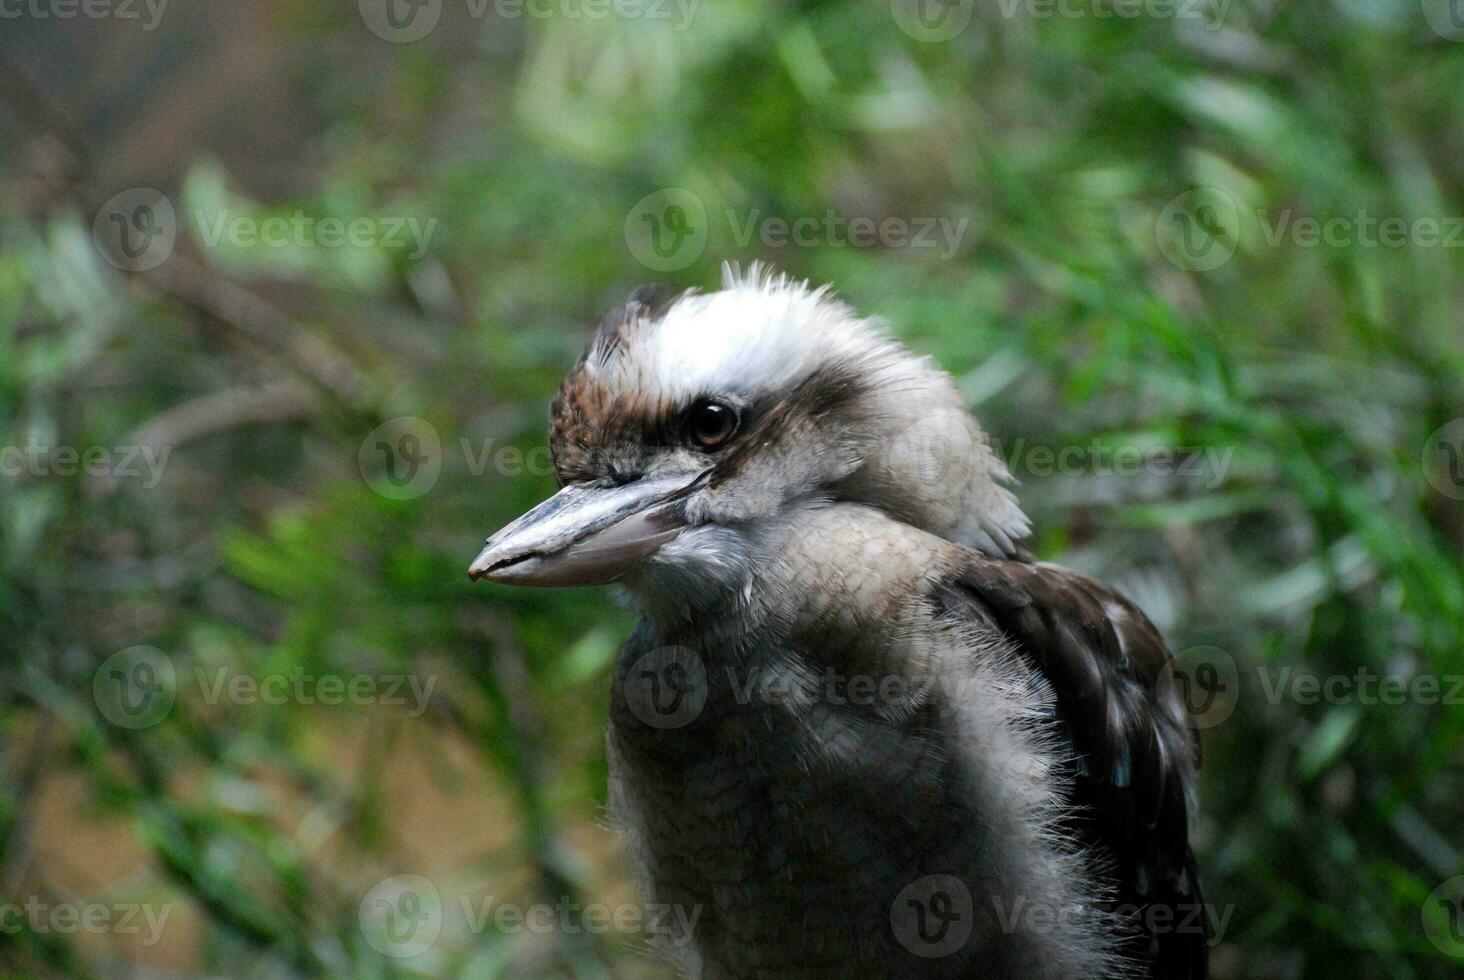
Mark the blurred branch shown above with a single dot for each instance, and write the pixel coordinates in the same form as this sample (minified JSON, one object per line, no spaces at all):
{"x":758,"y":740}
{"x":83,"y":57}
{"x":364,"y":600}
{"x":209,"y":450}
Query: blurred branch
{"x":219,"y":411}
{"x":235,"y":307}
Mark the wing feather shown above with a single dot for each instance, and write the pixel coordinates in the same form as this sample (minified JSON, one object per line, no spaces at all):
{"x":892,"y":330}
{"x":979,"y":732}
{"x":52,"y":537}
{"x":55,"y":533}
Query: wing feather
{"x":1134,"y":751}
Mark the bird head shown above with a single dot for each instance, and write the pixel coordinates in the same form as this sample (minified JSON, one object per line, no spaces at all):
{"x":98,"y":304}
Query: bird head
{"x":696,"y":427}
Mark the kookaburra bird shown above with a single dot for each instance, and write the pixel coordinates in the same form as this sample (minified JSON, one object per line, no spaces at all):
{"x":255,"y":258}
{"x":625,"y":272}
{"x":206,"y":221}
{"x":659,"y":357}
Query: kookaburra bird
{"x":859,"y":731}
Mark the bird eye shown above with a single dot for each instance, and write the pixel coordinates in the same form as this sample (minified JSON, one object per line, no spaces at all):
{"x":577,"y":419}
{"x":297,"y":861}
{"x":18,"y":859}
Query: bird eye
{"x":710,"y":424}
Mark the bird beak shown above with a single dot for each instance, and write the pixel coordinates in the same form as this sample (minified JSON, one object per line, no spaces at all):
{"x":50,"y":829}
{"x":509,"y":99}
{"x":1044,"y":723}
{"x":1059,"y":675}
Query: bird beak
{"x":586,"y":535}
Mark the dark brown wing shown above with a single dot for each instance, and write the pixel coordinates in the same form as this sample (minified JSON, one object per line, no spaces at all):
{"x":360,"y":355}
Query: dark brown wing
{"x":1135,"y":751}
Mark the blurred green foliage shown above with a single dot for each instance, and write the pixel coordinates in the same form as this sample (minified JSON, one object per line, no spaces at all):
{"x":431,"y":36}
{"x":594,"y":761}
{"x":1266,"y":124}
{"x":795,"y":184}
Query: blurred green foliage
{"x":1318,"y":373}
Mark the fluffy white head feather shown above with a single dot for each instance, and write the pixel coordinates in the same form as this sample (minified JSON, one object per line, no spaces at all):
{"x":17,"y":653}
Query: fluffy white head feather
{"x":906,"y":444}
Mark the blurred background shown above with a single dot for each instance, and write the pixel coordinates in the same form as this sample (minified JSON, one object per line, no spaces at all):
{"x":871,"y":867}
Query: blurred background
{"x":285,"y":288}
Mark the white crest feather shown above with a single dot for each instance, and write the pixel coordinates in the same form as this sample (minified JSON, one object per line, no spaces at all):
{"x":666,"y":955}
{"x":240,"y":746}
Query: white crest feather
{"x":928,"y":461}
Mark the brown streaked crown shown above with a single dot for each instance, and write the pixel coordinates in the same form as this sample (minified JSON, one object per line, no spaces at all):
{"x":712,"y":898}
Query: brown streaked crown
{"x":596,"y":433}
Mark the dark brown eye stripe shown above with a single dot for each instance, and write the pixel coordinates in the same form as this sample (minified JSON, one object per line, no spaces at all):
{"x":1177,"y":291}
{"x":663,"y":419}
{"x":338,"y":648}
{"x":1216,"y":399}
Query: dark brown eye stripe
{"x":810,"y":398}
